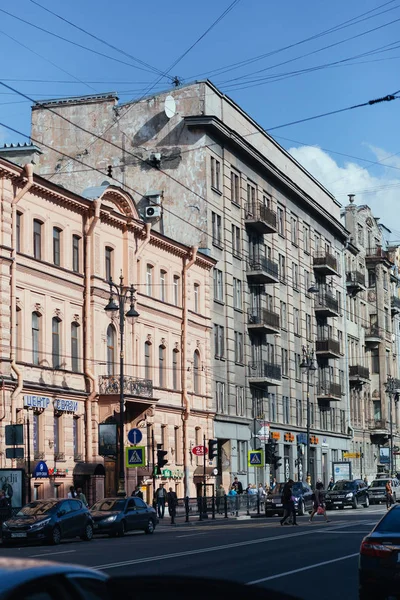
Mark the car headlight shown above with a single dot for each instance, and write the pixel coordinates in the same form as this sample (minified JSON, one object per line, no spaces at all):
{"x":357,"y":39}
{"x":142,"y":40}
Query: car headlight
{"x":40,"y":524}
{"x":4,"y":526}
{"x":110,"y":519}
{"x":349,"y":495}
{"x":296,"y":499}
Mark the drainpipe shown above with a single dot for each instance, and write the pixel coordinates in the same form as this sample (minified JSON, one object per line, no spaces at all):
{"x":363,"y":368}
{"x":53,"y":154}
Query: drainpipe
{"x":13,"y":308}
{"x":185,"y":399}
{"x":88,"y":330}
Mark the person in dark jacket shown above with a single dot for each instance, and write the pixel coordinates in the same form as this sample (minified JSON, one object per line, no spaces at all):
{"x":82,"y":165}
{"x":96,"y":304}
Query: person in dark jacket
{"x":161,"y":496}
{"x":288,"y":503}
{"x":237,"y":485}
{"x":137,"y":492}
{"x":172,"y":500}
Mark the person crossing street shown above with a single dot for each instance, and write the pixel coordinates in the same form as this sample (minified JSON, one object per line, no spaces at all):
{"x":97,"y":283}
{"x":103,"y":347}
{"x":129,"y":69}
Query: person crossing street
{"x":161,"y":497}
{"x":288,"y":503}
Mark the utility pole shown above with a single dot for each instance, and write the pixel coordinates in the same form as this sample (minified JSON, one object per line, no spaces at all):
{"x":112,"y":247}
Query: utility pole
{"x":392,"y":388}
{"x":308,"y":367}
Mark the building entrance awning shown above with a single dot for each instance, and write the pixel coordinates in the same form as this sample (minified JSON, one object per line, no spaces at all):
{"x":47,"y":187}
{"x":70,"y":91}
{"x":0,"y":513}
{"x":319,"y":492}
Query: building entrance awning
{"x":89,"y":469}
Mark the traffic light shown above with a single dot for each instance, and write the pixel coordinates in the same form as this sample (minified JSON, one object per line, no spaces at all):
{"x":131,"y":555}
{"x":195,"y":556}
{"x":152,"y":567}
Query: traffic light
{"x":212,"y":449}
{"x":269,"y":453}
{"x":161,"y":460}
{"x":276,"y":463}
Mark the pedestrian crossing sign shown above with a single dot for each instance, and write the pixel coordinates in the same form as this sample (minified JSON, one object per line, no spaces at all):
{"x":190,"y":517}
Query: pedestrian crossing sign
{"x":255,"y":458}
{"x":135,"y":457}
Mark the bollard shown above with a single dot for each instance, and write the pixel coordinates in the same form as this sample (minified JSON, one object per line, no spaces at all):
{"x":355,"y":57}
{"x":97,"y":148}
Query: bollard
{"x":213,"y":506}
{"x":237,"y":503}
{"x":200,"y":507}
{"x":225,"y":506}
{"x":248,"y":505}
{"x":187,"y":509}
{"x":258,"y":504}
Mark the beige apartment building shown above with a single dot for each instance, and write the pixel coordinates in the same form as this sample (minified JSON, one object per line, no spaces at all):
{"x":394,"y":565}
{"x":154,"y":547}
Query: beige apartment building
{"x":60,"y":349}
{"x":204,"y":172}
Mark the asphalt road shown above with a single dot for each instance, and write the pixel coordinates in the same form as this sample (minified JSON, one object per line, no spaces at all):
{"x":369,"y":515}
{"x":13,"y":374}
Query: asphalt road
{"x":314,"y":558}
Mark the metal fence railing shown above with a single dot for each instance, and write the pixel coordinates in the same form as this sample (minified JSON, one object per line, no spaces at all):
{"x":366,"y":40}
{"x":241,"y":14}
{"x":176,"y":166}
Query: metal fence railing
{"x":218,"y":507}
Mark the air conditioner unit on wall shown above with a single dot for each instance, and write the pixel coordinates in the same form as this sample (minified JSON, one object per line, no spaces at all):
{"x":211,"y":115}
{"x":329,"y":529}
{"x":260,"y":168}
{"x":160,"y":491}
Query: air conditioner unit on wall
{"x":153,"y":212}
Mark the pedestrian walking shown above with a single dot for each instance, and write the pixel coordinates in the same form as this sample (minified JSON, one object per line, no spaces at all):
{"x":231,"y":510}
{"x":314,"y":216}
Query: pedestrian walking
{"x":366,"y":481}
{"x":81,"y":496}
{"x":172,"y":500}
{"x":137,"y":492}
{"x":261,"y":496}
{"x":161,"y":496}
{"x":237,"y":485}
{"x":288,"y":503}
{"x":5,"y":507}
{"x":232,"y":497}
{"x":319,"y":507}
{"x":330,"y":484}
{"x":389,"y":495}
{"x":220,"y":494}
{"x":273,"y":484}
{"x":72,"y":492}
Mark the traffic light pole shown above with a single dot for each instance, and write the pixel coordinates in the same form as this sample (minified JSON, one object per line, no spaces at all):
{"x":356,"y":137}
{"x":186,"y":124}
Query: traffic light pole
{"x":204,"y":471}
{"x":154,"y":465}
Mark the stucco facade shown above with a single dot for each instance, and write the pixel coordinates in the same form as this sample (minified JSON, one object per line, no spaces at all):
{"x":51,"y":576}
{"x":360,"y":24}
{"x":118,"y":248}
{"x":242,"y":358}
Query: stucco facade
{"x":60,"y":349}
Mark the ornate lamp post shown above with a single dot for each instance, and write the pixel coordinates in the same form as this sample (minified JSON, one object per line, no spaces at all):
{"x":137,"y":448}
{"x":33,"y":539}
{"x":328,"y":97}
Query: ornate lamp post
{"x":308,"y":367}
{"x":392,"y":388}
{"x":119,"y":294}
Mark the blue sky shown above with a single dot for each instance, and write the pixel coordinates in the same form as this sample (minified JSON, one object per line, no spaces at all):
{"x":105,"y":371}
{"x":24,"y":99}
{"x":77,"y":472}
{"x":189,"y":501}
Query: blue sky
{"x":159,"y":32}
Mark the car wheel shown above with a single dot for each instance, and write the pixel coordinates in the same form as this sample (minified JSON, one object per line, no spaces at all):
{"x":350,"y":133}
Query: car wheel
{"x":88,"y":534}
{"x":302,"y":508}
{"x":355,"y":503}
{"x":366,"y":503}
{"x":150,"y":527}
{"x":56,"y":536}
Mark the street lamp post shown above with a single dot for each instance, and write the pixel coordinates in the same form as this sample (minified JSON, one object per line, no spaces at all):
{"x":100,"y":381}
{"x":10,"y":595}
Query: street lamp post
{"x":121,"y":293}
{"x":308,"y":367}
{"x":393,"y":391}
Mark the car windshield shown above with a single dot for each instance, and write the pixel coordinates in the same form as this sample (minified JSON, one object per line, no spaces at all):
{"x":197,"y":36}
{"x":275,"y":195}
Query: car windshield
{"x":379,"y":483}
{"x":297,"y":489}
{"x":343,"y":485}
{"x":112,"y":504}
{"x":36,"y":508}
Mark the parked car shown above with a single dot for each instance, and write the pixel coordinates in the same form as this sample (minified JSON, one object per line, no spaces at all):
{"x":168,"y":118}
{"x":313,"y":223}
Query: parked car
{"x":347,"y":493}
{"x":116,"y":516}
{"x":377,"y":490}
{"x":303,"y":499}
{"x":378,"y":567}
{"x":49,"y":520}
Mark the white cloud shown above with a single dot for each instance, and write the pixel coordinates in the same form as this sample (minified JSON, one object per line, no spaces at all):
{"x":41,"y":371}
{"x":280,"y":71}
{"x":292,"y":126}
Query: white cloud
{"x":381,"y":192}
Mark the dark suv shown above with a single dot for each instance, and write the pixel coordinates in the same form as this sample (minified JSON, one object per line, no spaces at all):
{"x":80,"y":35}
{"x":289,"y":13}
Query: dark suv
{"x":347,"y":493}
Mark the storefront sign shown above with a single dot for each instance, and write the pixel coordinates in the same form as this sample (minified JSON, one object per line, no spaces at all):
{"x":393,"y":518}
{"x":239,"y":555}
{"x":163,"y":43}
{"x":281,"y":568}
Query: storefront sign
{"x":42,"y":402}
{"x":301,"y":438}
{"x":384,"y":457}
{"x":12,"y":482}
{"x":41,"y":470}
{"x":65,"y":405}
{"x":36,"y":402}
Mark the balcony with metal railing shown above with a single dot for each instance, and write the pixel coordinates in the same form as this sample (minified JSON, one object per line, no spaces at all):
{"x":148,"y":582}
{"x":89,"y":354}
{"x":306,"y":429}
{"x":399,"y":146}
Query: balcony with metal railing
{"x":378,"y":254}
{"x":260,"y":218}
{"x":358,"y":375}
{"x":325,"y":263}
{"x":133,"y":386}
{"x":374,"y":335}
{"x":379,"y":428}
{"x":326,"y":305}
{"x":264,"y":374}
{"x":263,"y":321}
{"x":327,"y":390}
{"x":326,"y":347}
{"x":395,"y":305}
{"x":355,"y":281}
{"x":262,"y":270}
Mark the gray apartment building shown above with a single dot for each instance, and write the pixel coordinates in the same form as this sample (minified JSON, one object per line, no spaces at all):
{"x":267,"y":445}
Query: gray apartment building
{"x":205,"y":173}
{"x":373,"y":308}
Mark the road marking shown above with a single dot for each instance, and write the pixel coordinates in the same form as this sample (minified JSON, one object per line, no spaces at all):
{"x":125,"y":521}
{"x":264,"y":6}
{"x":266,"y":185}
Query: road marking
{"x":321,"y":564}
{"x":51,"y":553}
{"x":191,"y":534}
{"x":348,"y":532}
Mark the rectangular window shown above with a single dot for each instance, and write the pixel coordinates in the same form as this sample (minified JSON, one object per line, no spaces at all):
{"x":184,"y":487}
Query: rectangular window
{"x":297,"y":363}
{"x":283,"y":315}
{"x":296,"y":321}
{"x":333,"y":419}
{"x":385,"y":281}
{"x":375,"y":360}
{"x":220,"y":397}
{"x":218,"y":285}
{"x":235,"y":188}
{"x":308,"y":327}
{"x":251,"y":198}
{"x":295,"y":276}
{"x":306,"y":239}
{"x":371,"y":278}
{"x":217,"y":230}
{"x":196,"y":294}
{"x":360,"y":234}
{"x":282,"y":268}
{"x":163,"y":285}
{"x":312,"y":413}
{"x":387,"y":319}
{"x":56,"y":246}
{"x":215,"y":174}
{"x":307,"y":281}
{"x":76,"y":436}
{"x":36,"y":338}
{"x":280,"y":213}
{"x":75,"y":253}
{"x":238,"y":347}
{"x":286,"y":409}
{"x":237,"y":294}
{"x":56,"y":425}
{"x":219,"y":341}
{"x":18,"y":226}
{"x":176,"y":290}
{"x":149,"y":280}
{"x":240,"y":401}
{"x":147,"y":360}
{"x":285,"y":363}
{"x":342,"y":421}
{"x":161,"y":366}
{"x":37,"y":239}
{"x":294,"y":230}
{"x":175,"y":370}
{"x":55,"y":341}
{"x":236,"y":245}
{"x":272,"y":407}
{"x":75,"y":347}
{"x":108,"y":258}
{"x":299,"y":413}
{"x":242,"y":456}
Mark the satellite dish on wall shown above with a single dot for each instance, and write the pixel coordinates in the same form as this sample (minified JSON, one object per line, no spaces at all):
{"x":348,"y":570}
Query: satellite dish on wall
{"x":169,"y":107}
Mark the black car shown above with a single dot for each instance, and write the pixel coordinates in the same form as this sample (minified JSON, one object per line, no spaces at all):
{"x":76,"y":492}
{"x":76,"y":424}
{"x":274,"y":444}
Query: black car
{"x":347,"y":493}
{"x":302,"y":493}
{"x":49,"y":520}
{"x":379,"y":561}
{"x":115,"y":516}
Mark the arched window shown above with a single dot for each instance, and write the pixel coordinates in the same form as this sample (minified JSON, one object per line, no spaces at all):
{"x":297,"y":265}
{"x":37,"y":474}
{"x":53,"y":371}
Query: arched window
{"x":175,"y":369}
{"x":55,"y":343}
{"x":196,"y":372}
{"x":110,"y":350}
{"x":161,"y":366}
{"x":75,"y":347}
{"x":36,"y":322}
